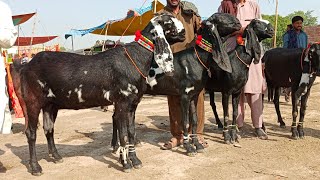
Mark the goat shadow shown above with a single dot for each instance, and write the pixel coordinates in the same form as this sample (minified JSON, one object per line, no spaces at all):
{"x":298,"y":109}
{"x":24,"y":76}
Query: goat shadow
{"x":97,"y":149}
{"x":3,"y":169}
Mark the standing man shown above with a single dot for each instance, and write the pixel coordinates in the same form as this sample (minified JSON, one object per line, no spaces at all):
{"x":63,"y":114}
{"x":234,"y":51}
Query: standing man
{"x":187,"y":13}
{"x":296,"y":38}
{"x":8,"y":35}
{"x":252,"y":91}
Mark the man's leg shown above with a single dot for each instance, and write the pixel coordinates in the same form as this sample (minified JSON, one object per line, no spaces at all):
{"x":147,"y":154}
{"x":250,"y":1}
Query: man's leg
{"x":255,"y":103}
{"x":175,"y":123}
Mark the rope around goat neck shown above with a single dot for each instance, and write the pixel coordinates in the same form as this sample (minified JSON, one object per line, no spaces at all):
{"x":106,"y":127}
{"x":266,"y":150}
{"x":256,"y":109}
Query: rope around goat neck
{"x":241,"y":59}
{"x":198,"y":57}
{"x":135,"y":65}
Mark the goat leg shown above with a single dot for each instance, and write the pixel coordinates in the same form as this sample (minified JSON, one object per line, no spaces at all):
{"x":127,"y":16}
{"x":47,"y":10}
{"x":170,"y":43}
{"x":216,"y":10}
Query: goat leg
{"x":194,"y":125}
{"x":49,"y":118}
{"x":214,"y":109}
{"x":136,"y":163}
{"x":185,"y":104}
{"x":225,"y":105}
{"x":121,"y":115}
{"x":233,"y":131}
{"x":277,"y":107}
{"x":294,"y":131}
{"x":31,"y":133}
{"x":114,"y":141}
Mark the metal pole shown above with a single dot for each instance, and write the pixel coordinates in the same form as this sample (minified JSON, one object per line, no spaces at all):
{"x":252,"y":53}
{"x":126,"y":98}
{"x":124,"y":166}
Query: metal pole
{"x":275,"y":26}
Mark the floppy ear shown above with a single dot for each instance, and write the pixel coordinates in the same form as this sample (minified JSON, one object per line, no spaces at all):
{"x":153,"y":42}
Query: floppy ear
{"x":252,"y":44}
{"x":219,"y":53}
{"x":162,"y":51}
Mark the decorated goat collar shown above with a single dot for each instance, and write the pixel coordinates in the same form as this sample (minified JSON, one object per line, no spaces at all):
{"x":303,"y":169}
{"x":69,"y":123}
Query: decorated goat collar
{"x":240,"y":40}
{"x":143,"y":41}
{"x":204,"y":44}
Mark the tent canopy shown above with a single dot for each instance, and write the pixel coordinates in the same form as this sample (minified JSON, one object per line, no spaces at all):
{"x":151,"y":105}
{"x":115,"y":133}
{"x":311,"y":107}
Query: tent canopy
{"x":22,"y":18}
{"x":27,"y":41}
{"x":117,"y":27}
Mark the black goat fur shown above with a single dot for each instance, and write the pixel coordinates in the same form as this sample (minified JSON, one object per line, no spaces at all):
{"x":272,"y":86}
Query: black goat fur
{"x":60,"y":80}
{"x":284,"y":68}
{"x":232,"y":83}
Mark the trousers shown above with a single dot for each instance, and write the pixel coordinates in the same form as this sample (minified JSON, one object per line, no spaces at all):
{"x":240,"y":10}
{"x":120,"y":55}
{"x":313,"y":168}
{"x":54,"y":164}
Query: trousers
{"x":175,"y":115}
{"x":256,"y":106}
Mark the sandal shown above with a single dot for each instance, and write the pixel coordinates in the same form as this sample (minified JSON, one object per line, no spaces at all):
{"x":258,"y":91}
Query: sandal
{"x":174,"y":142}
{"x":202,"y":141}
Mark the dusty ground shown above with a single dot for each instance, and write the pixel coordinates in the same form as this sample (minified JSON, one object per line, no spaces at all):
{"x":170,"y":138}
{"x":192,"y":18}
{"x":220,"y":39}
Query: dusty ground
{"x":83,"y":140}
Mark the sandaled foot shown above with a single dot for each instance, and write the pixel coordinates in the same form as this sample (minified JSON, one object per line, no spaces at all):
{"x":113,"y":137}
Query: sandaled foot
{"x":202,"y":141}
{"x":174,"y":142}
{"x":261,"y":134}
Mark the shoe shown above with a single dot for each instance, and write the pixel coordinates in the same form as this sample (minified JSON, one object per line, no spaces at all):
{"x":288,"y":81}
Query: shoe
{"x":261,"y":134}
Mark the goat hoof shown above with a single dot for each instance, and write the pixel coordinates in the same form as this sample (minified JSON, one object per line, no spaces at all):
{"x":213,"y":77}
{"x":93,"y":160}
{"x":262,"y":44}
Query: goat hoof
{"x":192,"y":154}
{"x":139,"y":166}
{"x":36,"y":173}
{"x":127,"y":168}
{"x":58,"y":161}
{"x":226,"y":137}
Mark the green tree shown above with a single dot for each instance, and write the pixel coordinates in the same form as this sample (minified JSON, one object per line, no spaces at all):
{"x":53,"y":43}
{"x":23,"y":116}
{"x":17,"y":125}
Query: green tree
{"x":283,"y":21}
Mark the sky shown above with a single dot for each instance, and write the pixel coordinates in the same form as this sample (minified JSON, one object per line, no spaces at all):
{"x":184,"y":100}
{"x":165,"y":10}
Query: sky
{"x":57,"y":17}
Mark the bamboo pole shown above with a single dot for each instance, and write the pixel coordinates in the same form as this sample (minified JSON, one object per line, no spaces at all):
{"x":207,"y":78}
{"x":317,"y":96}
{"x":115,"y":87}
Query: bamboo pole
{"x":33,"y":29}
{"x":275,"y":26}
{"x":155,"y":6}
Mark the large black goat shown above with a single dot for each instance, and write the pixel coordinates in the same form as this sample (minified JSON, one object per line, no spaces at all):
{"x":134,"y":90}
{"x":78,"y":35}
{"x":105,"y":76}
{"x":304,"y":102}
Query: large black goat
{"x":58,"y":80}
{"x":190,"y":73}
{"x":295,"y":68}
{"x":232,"y":83}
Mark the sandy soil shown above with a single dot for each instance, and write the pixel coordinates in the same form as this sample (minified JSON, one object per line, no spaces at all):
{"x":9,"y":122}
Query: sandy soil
{"x":83,"y":139}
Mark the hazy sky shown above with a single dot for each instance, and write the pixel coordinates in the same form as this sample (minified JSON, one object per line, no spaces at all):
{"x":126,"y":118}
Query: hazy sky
{"x":57,"y":17}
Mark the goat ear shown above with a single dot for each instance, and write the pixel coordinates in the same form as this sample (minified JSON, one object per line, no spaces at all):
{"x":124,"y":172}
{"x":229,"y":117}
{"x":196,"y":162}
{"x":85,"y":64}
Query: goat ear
{"x":252,"y":45}
{"x":163,"y":54}
{"x":219,"y":53}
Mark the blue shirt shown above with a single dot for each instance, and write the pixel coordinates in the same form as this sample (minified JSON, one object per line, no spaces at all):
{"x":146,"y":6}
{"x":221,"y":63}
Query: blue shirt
{"x":302,"y":40}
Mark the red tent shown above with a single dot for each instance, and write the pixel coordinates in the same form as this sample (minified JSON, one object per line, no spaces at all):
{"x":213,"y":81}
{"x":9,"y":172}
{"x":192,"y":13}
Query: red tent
{"x":19,"y":19}
{"x":27,"y":41}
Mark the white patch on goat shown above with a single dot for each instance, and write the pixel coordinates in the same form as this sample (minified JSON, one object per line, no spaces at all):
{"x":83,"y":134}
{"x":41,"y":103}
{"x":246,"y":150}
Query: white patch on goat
{"x":189,"y":89}
{"x":125,"y":92}
{"x":69,"y":94}
{"x":151,"y":80}
{"x":132,"y":88}
{"x":265,"y":21}
{"x":79,"y":96}
{"x":85,"y":72}
{"x":41,"y":83}
{"x":50,"y":93}
{"x":106,"y":95}
{"x":187,"y":70}
{"x":164,"y":59}
{"x":178,"y":24}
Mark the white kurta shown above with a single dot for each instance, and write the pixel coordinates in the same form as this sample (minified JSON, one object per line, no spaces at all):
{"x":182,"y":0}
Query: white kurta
{"x":8,"y":36}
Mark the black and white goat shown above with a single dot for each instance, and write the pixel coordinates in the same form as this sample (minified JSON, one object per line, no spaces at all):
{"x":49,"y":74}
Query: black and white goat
{"x":295,"y":68}
{"x":190,"y":74}
{"x":59,"y":80}
{"x":232,"y":83}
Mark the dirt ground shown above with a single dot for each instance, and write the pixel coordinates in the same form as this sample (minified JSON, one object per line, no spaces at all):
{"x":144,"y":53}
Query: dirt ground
{"x":83,"y":139}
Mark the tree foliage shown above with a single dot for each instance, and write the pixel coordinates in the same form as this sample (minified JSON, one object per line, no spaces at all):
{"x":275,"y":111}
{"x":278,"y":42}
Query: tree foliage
{"x":283,"y":21}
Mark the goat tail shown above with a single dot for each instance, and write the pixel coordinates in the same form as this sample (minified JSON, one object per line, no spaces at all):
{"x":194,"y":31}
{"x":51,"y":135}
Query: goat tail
{"x":15,"y":71}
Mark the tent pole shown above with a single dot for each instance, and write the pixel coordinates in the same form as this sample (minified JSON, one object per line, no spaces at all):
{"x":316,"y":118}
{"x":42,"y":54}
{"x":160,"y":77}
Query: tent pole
{"x":18,"y":40}
{"x":155,"y":6}
{"x":33,"y":29}
{"x":275,"y":26}
{"x":72,"y":42}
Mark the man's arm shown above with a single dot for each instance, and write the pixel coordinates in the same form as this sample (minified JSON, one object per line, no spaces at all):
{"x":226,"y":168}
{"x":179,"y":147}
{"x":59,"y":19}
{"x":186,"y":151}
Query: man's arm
{"x":8,"y":34}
